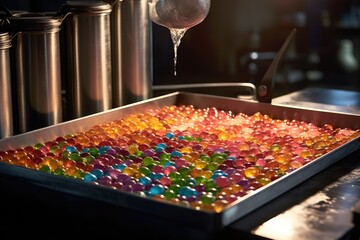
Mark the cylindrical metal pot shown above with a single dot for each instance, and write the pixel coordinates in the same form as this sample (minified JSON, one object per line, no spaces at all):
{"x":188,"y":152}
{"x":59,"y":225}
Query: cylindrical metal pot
{"x":6,"y":114}
{"x":88,"y":54}
{"x":38,"y":72}
{"x":131,"y":51}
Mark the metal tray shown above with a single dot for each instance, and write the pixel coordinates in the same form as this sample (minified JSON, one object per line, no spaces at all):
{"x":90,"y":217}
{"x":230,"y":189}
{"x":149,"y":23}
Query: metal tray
{"x":183,"y":216}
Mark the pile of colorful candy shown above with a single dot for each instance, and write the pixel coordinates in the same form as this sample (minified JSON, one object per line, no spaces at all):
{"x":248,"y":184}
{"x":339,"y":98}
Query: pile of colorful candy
{"x":201,"y":158}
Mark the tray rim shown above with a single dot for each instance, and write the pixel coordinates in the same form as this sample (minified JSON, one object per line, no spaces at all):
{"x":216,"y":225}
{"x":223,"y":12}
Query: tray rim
{"x":206,"y":220}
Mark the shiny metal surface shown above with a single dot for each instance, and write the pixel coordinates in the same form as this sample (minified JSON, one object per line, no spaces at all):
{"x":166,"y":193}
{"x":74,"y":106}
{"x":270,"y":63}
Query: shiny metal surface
{"x":6,"y":114}
{"x":88,"y":54}
{"x":329,"y":215}
{"x":38,"y":73}
{"x":131,"y":51}
{"x":321,"y":98}
{"x":202,"y":220}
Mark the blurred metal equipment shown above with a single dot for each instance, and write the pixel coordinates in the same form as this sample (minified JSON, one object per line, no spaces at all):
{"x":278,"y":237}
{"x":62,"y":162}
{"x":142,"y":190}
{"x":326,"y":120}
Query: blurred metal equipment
{"x":131,"y":51}
{"x":261,"y":92}
{"x":88,"y":50}
{"x":6,"y":116}
{"x":38,"y":75}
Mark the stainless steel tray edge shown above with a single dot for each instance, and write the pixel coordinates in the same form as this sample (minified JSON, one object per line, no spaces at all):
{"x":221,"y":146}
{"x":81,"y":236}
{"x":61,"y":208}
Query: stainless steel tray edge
{"x":84,"y":123}
{"x":274,"y":189}
{"x":185,"y":216}
{"x":207,"y":221}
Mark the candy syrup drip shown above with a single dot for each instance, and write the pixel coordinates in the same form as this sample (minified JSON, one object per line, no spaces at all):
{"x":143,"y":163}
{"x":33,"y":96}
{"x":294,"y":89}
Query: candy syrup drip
{"x":178,"y":17}
{"x":176,"y":36}
{"x":200,"y":158}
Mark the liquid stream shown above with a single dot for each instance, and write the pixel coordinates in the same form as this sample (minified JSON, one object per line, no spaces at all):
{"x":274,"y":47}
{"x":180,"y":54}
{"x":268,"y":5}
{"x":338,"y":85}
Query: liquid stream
{"x":178,"y":16}
{"x":176,"y":36}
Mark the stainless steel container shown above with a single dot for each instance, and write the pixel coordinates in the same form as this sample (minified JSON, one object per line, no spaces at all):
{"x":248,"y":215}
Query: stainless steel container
{"x":6,"y":115}
{"x":38,"y":72}
{"x":88,"y":54}
{"x":131,"y":51}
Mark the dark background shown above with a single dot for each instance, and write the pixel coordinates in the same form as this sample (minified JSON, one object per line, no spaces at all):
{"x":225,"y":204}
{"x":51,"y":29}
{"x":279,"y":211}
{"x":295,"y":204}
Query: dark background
{"x":217,"y":50}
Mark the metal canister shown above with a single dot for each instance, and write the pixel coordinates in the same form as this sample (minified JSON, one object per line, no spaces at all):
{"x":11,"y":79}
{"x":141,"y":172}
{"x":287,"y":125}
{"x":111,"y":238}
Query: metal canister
{"x":6,"y":114}
{"x":38,"y":71}
{"x":88,"y":54}
{"x":131,"y":51}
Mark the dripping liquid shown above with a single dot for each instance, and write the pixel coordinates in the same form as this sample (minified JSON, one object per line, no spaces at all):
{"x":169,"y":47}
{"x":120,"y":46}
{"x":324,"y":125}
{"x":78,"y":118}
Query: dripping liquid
{"x":176,"y":36}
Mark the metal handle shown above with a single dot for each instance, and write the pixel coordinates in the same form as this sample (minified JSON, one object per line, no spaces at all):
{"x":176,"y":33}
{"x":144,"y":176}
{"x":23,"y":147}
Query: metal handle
{"x":264,"y":89}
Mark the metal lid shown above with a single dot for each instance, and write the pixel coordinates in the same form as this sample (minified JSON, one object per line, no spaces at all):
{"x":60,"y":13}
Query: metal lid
{"x":86,"y":7}
{"x":5,"y":41}
{"x":27,"y":21}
